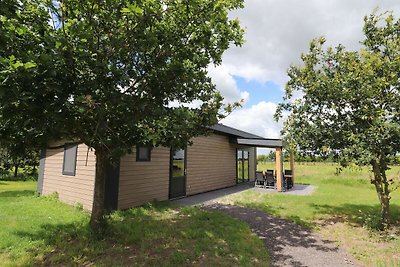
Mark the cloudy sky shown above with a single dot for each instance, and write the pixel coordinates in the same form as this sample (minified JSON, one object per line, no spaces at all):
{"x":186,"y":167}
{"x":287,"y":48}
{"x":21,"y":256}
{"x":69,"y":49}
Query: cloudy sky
{"x":277,"y":32}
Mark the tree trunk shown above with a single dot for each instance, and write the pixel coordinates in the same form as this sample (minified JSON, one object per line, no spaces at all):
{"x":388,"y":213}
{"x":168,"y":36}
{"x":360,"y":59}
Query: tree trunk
{"x":15,"y":170}
{"x":382,"y":189}
{"x":98,"y":209}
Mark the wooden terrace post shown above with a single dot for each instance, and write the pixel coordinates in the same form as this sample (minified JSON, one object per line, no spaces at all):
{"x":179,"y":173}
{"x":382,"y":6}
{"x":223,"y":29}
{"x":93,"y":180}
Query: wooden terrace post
{"x":292,"y":165}
{"x":278,"y":168}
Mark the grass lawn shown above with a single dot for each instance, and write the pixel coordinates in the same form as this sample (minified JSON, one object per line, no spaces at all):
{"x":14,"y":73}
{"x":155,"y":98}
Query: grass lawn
{"x":42,"y":231}
{"x":344,"y":208}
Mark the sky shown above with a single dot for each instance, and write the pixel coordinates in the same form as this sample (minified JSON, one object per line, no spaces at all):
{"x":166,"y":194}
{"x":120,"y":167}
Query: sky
{"x":277,"y":32}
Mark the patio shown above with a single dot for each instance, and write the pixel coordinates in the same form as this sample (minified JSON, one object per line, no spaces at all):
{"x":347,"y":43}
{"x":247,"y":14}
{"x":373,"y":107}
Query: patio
{"x":283,"y":180}
{"x":209,"y":198}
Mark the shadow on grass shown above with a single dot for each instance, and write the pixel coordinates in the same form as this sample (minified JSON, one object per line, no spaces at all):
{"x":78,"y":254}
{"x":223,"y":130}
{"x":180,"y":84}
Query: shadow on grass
{"x":357,"y":214}
{"x":75,"y":244}
{"x":282,"y":235}
{"x":152,"y":235}
{"x":17,"y":193}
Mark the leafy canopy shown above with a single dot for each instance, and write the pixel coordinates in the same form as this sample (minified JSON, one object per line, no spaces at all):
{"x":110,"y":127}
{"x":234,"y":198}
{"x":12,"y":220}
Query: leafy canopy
{"x":106,"y":72}
{"x":350,"y":103}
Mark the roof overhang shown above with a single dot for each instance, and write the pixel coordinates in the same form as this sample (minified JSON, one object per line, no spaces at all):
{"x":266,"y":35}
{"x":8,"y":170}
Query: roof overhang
{"x":270,"y":143}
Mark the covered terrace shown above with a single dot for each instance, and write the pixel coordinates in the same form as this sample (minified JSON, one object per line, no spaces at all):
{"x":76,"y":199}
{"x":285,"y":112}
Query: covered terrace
{"x":249,"y":141}
{"x":276,"y":144}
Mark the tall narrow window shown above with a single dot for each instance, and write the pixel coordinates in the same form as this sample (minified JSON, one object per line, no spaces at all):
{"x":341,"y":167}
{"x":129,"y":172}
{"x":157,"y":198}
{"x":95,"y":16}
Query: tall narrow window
{"x":143,"y":153}
{"x":69,"y":163}
{"x":242,"y":165}
{"x":245,"y":165}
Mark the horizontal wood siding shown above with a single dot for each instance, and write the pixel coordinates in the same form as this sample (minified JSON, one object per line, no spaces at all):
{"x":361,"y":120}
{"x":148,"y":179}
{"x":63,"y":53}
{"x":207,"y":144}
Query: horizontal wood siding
{"x":211,"y":164}
{"x":71,"y":189}
{"x":144,"y":181}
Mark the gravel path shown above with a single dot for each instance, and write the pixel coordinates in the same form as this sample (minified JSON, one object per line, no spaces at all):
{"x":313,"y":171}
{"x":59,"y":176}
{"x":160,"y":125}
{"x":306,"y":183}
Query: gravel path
{"x":288,"y":243}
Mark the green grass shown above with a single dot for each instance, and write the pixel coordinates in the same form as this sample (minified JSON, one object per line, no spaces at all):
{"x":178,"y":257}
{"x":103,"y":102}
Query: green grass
{"x":42,"y":231}
{"x":23,"y":175}
{"x":344,"y":207}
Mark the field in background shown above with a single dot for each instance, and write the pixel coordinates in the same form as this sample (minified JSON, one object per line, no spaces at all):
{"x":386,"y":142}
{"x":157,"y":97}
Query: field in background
{"x":41,"y":231}
{"x":344,"y":208}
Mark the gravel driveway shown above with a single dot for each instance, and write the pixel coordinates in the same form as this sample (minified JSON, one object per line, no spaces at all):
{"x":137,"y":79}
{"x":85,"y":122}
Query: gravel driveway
{"x":288,"y":243}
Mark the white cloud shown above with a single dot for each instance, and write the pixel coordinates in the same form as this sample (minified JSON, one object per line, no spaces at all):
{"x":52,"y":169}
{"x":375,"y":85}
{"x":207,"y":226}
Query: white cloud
{"x":257,"y":119}
{"x":193,"y":104}
{"x":226,"y":84}
{"x":277,"y":32}
{"x":245,"y":96}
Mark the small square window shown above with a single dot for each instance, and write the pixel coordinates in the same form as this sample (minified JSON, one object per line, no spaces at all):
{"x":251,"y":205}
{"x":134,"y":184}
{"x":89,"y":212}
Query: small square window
{"x":143,"y":153}
{"x":69,"y":162}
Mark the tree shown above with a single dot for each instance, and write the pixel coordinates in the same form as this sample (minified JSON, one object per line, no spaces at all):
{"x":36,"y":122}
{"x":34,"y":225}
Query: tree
{"x":16,"y":155}
{"x":106,"y":73}
{"x":350,"y":103}
{"x":262,"y":158}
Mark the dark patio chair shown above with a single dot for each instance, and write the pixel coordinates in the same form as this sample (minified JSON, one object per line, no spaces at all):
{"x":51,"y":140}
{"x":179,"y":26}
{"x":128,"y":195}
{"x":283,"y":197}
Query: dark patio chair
{"x":259,"y":181}
{"x":288,"y":179}
{"x":270,"y":181}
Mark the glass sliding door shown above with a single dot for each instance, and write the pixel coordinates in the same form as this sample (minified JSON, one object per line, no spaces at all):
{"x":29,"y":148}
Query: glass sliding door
{"x":242,"y":162}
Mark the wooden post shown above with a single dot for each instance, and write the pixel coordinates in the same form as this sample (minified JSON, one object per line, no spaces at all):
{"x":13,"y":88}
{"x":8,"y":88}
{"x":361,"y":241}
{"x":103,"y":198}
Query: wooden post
{"x":292,"y":165}
{"x":278,"y":168}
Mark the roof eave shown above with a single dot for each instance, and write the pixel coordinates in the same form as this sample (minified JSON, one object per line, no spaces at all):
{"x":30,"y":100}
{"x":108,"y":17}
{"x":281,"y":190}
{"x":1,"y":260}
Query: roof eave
{"x":269,"y":143}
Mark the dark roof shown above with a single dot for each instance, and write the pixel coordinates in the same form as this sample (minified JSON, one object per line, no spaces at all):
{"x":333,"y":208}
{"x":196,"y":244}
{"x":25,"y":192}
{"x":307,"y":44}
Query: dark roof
{"x":245,"y":138}
{"x":232,"y":131}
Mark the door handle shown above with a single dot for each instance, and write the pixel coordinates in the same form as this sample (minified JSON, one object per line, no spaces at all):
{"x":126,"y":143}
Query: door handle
{"x":185,"y":171}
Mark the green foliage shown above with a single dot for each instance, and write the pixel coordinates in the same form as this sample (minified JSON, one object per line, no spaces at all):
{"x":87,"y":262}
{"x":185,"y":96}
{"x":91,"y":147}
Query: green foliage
{"x":343,"y":208}
{"x":350,"y":104}
{"x":43,"y":231}
{"x":269,"y":157}
{"x":106,"y":72}
{"x":112,"y":74}
{"x":18,"y":161}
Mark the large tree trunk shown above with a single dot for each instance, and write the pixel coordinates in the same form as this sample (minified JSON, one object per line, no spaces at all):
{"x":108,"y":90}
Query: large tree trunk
{"x":382,"y":188}
{"x":98,"y":209}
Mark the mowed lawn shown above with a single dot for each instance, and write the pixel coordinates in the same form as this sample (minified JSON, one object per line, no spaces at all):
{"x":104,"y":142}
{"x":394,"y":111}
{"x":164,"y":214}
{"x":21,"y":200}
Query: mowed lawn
{"x":42,"y":231}
{"x":344,"y":208}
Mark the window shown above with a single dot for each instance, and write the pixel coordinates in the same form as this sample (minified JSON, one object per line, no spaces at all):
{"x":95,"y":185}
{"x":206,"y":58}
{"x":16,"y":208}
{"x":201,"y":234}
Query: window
{"x":143,"y":153}
{"x":242,"y":166}
{"x":69,"y":163}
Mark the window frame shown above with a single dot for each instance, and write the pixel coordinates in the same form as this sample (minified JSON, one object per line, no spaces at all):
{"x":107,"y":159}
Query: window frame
{"x":148,"y":158}
{"x":240,"y":177}
{"x":75,"y":155}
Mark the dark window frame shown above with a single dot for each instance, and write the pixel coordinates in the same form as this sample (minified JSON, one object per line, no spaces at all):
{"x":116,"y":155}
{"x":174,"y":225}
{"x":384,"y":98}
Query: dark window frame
{"x":148,"y":158}
{"x":66,"y":147}
{"x":240,"y":178}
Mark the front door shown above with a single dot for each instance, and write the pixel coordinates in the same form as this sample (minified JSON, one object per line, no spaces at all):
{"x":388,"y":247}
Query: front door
{"x":177,"y":180}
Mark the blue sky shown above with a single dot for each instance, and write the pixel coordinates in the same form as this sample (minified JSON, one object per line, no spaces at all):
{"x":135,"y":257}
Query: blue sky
{"x":259,"y":91}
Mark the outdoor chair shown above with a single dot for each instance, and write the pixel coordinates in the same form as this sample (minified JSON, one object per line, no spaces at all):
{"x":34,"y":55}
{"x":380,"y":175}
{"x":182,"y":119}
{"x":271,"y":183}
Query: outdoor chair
{"x":259,"y":181}
{"x":270,"y":181}
{"x":288,"y":179}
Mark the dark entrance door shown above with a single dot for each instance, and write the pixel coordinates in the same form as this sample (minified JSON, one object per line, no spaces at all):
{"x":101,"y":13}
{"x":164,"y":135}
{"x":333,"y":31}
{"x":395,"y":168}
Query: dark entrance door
{"x":177,"y":180}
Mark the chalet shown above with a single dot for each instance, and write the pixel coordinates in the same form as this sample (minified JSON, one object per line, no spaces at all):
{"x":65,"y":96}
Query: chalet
{"x":224,"y":158}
